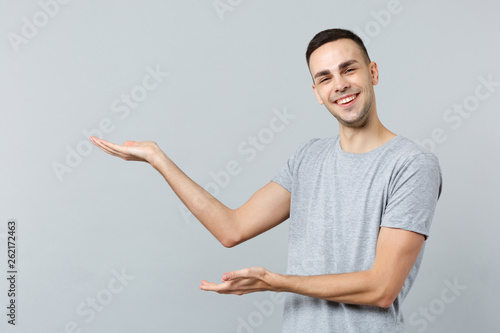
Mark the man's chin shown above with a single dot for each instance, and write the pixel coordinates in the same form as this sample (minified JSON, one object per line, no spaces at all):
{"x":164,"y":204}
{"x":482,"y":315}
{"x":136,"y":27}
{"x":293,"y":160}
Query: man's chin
{"x":355,"y":123}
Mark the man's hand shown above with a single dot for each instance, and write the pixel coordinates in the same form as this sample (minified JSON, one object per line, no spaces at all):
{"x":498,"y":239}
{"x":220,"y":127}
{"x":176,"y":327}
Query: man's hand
{"x":242,"y":282}
{"x":144,"y":151}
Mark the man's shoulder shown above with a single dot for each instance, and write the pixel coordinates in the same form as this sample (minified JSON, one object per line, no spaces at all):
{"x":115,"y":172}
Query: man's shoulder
{"x":317,"y":144}
{"x":311,"y":149}
{"x":406,"y":144}
{"x":406,"y":150}
{"x":412,"y":159}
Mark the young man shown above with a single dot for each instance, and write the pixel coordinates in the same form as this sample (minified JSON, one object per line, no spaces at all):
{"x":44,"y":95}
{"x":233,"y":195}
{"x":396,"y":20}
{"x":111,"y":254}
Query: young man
{"x":360,"y":206}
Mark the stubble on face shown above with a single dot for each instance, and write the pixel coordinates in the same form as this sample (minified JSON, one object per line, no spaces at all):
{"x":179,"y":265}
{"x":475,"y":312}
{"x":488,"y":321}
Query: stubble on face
{"x":364,"y":114}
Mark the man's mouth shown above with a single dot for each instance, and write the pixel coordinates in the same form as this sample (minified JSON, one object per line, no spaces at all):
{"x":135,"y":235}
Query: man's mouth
{"x":346,"y":100}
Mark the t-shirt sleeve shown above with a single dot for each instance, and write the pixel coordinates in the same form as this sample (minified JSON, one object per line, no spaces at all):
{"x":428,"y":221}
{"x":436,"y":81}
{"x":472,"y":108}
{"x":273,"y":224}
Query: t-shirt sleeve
{"x":413,"y":195}
{"x":286,"y":174}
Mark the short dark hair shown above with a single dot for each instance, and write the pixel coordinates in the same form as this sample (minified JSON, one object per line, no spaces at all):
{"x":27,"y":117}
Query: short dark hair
{"x":332,"y":35}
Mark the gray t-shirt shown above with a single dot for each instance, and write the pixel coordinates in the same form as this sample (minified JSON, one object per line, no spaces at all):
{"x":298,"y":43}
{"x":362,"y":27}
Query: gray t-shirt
{"x":339,"y":201}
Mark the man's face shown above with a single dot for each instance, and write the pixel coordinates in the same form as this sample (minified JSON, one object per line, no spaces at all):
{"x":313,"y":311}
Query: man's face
{"x":343,"y":82}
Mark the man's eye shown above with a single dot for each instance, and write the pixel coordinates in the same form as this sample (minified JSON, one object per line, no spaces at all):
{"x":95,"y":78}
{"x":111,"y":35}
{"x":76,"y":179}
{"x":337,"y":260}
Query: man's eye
{"x":349,"y":70}
{"x":323,"y":80}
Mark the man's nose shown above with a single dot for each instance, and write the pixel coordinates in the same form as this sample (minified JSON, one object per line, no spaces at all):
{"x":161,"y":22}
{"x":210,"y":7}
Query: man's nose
{"x":341,"y":84}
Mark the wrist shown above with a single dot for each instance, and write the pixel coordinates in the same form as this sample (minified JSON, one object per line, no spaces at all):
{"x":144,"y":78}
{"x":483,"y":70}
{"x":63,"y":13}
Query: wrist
{"x":276,"y":282}
{"x":157,"y":158}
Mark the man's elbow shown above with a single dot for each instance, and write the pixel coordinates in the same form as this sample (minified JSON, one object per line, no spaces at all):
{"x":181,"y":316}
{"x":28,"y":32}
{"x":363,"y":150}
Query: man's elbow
{"x":230,"y":240}
{"x":232,"y":234}
{"x":386,"y":297}
{"x":228,"y":243}
{"x":385,"y":301}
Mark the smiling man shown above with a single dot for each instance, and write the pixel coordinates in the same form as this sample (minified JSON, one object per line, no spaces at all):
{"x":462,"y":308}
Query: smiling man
{"x":360,"y":206}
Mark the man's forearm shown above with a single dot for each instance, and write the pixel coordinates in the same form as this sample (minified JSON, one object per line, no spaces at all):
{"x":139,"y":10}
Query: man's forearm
{"x":214,"y":215}
{"x":363,"y":287}
{"x":396,"y":253}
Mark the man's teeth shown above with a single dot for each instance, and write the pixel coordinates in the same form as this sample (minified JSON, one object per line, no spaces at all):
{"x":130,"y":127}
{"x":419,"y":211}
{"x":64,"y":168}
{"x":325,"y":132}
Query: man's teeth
{"x":346,"y":100}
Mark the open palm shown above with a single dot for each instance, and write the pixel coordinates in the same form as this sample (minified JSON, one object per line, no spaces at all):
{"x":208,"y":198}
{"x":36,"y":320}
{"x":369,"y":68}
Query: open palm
{"x":130,"y":150}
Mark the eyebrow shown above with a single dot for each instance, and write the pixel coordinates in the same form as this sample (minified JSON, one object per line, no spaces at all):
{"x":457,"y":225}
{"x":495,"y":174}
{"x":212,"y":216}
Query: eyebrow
{"x":347,"y":64}
{"x":341,"y":67}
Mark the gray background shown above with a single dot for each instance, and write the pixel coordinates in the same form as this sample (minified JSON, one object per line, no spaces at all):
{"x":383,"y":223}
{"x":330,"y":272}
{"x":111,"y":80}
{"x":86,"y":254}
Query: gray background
{"x":228,"y":71}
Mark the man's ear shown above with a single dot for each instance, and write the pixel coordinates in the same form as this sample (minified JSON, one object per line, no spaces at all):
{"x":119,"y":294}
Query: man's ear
{"x":320,"y":101}
{"x":374,"y":72}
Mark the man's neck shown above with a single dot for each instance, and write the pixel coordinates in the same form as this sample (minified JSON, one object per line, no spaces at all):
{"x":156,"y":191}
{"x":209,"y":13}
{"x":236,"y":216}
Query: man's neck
{"x":365,"y":139}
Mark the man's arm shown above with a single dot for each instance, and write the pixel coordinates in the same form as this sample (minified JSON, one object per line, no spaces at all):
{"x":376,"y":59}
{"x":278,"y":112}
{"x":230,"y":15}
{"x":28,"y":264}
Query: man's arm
{"x":268,"y":207}
{"x":396,"y":253}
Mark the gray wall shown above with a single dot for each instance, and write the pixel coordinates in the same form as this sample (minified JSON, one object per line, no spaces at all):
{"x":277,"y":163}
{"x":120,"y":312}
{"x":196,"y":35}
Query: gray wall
{"x":85,"y":217}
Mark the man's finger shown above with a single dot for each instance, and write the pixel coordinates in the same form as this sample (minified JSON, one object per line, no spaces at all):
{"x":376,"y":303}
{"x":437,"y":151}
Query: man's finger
{"x":101,"y":146}
{"x":210,"y":286}
{"x":106,"y":149}
{"x":130,"y":143}
{"x":239,"y":274}
{"x":112,"y":148}
{"x":204,"y":282}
